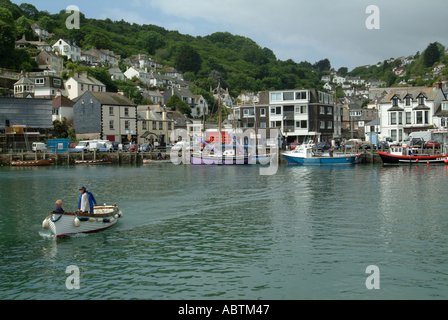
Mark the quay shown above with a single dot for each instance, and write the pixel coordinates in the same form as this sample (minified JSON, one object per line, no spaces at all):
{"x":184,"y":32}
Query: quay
{"x":128,"y":157}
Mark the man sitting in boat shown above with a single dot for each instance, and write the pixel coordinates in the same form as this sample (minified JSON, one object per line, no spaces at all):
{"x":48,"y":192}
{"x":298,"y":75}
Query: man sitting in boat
{"x":86,"y":201}
{"x":59,"y":207}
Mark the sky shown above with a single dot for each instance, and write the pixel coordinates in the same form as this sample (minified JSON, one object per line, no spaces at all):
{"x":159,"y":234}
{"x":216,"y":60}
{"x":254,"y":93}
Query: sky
{"x":301,"y":30}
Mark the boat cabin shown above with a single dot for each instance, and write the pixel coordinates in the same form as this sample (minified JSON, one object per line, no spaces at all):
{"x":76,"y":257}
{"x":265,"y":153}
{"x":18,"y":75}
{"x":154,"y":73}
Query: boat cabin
{"x":404,"y":151}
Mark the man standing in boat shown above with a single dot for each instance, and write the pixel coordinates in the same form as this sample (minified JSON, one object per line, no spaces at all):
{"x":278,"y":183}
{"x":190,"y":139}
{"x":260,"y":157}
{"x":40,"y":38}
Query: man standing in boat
{"x":86,"y":201}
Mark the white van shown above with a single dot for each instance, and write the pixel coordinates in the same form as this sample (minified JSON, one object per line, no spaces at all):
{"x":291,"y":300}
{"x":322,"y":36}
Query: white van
{"x":82,"y":145}
{"x":39,"y":146}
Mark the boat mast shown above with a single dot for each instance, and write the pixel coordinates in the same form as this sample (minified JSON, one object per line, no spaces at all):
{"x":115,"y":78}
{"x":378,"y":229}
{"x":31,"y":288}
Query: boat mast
{"x":219,"y":115}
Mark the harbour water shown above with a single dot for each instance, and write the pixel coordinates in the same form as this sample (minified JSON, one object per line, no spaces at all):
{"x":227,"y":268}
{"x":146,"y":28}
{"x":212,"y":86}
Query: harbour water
{"x":225,"y":232}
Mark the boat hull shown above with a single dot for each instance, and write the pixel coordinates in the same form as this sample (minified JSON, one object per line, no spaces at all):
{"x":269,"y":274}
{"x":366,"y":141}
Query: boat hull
{"x":218,"y":160}
{"x":94,"y":162}
{"x":28,"y":163}
{"x":62,"y":225}
{"x":319,"y":161}
{"x":422,"y":160}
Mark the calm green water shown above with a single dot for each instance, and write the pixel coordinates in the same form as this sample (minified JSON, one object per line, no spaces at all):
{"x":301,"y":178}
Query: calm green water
{"x":192,"y":232}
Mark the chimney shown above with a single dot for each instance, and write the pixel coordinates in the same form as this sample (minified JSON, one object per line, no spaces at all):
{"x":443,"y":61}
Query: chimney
{"x":58,"y":93}
{"x":85,"y":74}
{"x":147,"y":113}
{"x":76,"y":74}
{"x":121,"y":92}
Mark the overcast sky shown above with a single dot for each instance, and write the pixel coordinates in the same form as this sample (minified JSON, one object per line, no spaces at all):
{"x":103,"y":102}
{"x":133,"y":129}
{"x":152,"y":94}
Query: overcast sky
{"x":300,"y":30}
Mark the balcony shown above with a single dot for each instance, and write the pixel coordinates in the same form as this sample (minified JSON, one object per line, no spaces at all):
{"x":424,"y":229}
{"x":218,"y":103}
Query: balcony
{"x":288,"y":115}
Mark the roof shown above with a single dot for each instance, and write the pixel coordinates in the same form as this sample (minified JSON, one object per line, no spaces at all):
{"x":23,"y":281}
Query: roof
{"x":25,"y":81}
{"x":88,"y":80}
{"x":375,"y":122}
{"x":155,"y":113}
{"x":108,"y":98}
{"x":430,"y":92}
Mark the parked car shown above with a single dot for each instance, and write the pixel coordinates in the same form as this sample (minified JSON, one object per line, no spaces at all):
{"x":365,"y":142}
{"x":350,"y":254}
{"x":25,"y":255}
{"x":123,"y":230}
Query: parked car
{"x":323,"y":144}
{"x":432,"y":144}
{"x":417,"y":142}
{"x":133,"y":147}
{"x":145,"y":147}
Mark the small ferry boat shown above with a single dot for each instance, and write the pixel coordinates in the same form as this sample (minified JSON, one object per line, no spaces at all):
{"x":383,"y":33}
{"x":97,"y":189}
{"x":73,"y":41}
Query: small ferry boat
{"x":27,"y":163}
{"x":98,"y":161}
{"x":69,"y":223}
{"x":305,"y":155}
{"x":408,"y":155}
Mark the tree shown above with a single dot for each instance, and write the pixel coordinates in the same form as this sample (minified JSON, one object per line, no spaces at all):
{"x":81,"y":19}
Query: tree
{"x":150,"y":41}
{"x":322,"y":65}
{"x":47,"y":23}
{"x":29,"y":11}
{"x":188,"y":60}
{"x":98,"y":40}
{"x":431,"y":55}
{"x":179,"y":105}
{"x":343,"y":71}
{"x":7,"y":39}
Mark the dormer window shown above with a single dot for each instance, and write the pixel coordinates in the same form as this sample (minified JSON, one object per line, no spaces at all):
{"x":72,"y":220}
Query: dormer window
{"x":395,"y":102}
{"x":408,"y":101}
{"x":421,"y":100}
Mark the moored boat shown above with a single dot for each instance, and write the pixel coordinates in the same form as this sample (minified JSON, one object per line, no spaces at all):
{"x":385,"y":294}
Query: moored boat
{"x":305,"y":155}
{"x":156,"y":161}
{"x":228,"y":157}
{"x":98,"y":161}
{"x":69,"y":223}
{"x":407,"y":155}
{"x":27,"y":163}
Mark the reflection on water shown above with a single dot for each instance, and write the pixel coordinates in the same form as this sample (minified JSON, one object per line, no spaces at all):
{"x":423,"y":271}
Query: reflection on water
{"x":198,"y":232}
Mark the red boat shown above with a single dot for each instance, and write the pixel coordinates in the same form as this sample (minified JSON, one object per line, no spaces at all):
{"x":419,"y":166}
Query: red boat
{"x":406,"y":155}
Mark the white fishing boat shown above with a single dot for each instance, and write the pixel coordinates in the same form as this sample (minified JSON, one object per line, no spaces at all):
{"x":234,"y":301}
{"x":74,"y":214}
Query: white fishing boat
{"x":70,"y":223}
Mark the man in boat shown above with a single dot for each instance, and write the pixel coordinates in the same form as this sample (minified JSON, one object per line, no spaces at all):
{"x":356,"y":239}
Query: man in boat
{"x":86,"y":201}
{"x":59,"y":207}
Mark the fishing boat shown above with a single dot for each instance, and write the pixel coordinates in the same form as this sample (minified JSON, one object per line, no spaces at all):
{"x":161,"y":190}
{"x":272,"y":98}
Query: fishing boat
{"x":27,"y":163}
{"x":70,"y":223}
{"x":98,"y":161}
{"x":306,"y":155}
{"x":408,"y":155}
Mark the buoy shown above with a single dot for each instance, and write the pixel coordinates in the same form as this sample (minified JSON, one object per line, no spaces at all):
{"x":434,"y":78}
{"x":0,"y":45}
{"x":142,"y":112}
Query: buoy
{"x":116,"y":216}
{"x":446,"y":160}
{"x":427,"y":162}
{"x":76,"y":222}
{"x":100,"y":220}
{"x":416,"y":160}
{"x":45,"y":224}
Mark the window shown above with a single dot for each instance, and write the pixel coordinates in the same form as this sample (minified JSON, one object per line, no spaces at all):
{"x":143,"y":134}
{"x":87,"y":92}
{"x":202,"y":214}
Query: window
{"x":408,"y":118}
{"x":82,"y":87}
{"x":329,"y":124}
{"x":39,"y":81}
{"x":322,"y":124}
{"x":408,"y":102}
{"x":445,"y":106}
{"x":276,"y":110}
{"x":126,"y":125}
{"x":262,"y":124}
{"x":276,"y":97}
{"x":303,"y":124}
{"x":262,"y":112}
{"x":322,"y":110}
{"x":154,"y":125}
{"x":303,"y":109}
{"x":144,"y":125}
{"x":393,"y":135}
{"x":111,"y":111}
{"x":419,"y":115}
{"x":301,"y":95}
{"x":57,"y":82}
{"x":126,"y":112}
{"x":248,"y":113}
{"x":400,"y":117}
{"x":400,"y":135}
{"x":421,"y":100}
{"x":160,"y":125}
{"x":69,"y":87}
{"x":111,"y":124}
{"x":395,"y":102}
{"x":393,"y":118}
{"x":288,"y":96}
{"x":426,"y":117}
{"x":329,"y":110}
{"x":169,"y":125}
{"x":275,"y":124}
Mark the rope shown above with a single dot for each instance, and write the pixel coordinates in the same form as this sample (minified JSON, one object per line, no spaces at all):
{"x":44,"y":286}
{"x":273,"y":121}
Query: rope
{"x":56,"y":220}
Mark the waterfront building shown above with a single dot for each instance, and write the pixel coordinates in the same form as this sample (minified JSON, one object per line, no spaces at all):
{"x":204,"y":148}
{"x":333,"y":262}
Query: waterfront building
{"x":153,"y":124}
{"x":106,"y":116}
{"x":79,"y":84}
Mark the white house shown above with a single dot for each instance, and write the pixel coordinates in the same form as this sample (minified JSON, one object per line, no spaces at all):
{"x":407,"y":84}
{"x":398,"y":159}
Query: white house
{"x":41,"y":32}
{"x":143,"y":75}
{"x":200,"y":108}
{"x":116,"y":74}
{"x":338,"y":79}
{"x":405,"y":110}
{"x":68,"y":48}
{"x":355,"y":80}
{"x":77,"y":85}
